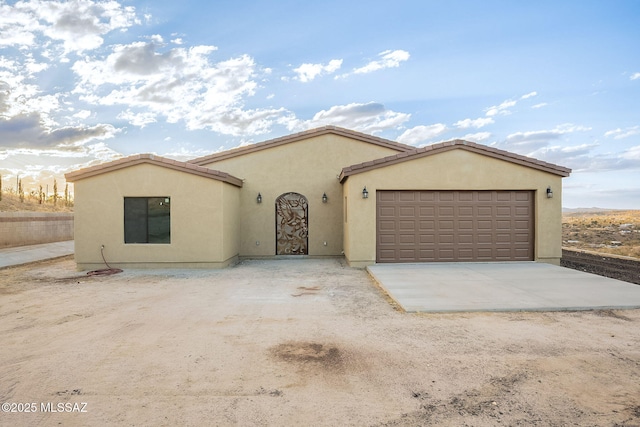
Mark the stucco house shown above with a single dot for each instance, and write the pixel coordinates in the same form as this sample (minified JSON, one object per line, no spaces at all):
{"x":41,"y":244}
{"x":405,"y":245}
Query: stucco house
{"x":324,"y":192}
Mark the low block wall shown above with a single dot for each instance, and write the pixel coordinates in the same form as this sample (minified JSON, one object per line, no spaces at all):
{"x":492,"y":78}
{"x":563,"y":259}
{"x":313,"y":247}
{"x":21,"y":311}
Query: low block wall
{"x":32,"y":228}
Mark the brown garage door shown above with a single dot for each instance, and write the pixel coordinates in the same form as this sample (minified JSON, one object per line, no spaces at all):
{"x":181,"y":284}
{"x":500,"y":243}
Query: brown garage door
{"x":441,"y":226}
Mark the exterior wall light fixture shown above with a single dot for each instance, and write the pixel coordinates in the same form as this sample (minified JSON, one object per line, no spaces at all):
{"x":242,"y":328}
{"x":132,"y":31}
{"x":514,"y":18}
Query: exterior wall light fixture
{"x":549,"y":193}
{"x":365,"y":193}
{"x":259,"y":198}
{"x":324,"y":198}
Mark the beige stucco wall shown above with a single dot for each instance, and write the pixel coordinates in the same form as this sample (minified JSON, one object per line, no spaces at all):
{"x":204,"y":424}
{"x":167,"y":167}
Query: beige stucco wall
{"x":309,"y":167}
{"x":451,"y":170}
{"x":203,"y":233}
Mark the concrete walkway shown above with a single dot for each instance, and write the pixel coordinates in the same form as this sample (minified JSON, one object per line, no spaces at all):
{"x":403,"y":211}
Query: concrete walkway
{"x":19,"y":255}
{"x":513,"y":286}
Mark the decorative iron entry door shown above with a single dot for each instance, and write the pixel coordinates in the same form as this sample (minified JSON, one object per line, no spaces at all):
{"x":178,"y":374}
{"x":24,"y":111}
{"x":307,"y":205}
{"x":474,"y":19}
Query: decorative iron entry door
{"x":291,"y":224}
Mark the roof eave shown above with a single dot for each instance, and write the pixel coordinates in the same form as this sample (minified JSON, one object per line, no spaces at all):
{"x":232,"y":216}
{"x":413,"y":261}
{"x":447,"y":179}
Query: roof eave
{"x":451,"y":145}
{"x":153,"y":160}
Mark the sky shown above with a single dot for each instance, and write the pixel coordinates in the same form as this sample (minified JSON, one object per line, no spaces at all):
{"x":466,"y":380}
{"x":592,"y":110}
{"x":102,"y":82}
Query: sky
{"x":85,"y":82}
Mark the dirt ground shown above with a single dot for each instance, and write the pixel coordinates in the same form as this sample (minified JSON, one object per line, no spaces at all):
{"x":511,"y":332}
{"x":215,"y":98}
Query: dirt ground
{"x":296,"y":342}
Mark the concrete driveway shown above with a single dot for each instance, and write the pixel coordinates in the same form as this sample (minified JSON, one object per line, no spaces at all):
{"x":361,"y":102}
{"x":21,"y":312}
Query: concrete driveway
{"x":512,"y":286}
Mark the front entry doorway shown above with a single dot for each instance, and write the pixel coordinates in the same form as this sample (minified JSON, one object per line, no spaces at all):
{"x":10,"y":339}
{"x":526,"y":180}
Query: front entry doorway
{"x":292,"y":224}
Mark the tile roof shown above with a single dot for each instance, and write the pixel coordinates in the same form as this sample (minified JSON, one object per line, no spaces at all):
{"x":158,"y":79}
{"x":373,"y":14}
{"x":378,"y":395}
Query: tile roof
{"x":299,"y":137}
{"x":452,"y":145}
{"x":153,"y":160}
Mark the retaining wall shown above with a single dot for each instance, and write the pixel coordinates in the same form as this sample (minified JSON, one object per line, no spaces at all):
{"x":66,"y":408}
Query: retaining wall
{"x":32,"y":228}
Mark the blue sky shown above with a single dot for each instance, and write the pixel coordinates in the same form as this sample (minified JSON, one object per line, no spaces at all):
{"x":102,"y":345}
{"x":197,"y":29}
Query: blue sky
{"x":84,"y":82}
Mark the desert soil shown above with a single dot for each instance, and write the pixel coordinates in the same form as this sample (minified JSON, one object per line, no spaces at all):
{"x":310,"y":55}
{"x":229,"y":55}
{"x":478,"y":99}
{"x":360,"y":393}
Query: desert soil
{"x":297,"y":342}
{"x":614,"y":232}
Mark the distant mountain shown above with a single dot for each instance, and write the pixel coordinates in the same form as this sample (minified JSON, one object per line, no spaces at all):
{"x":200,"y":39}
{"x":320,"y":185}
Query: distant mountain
{"x":589,"y":210}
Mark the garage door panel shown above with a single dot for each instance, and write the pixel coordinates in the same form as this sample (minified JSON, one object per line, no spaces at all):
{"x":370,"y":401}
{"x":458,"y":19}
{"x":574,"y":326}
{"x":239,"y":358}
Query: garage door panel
{"x":406,"y":225}
{"x":445,"y":225}
{"x":503,"y":211}
{"x":465,"y":196}
{"x":484,"y":211}
{"x":445,"y":239}
{"x":446,"y":255}
{"x":386,"y":225}
{"x":465,"y":238}
{"x":503,"y":238}
{"x":407,"y":255}
{"x":465,"y":225}
{"x":445,"y":196}
{"x":387,"y":239}
{"x":407,"y":211}
{"x":427,"y":239}
{"x":407,"y":238}
{"x":387,"y":212}
{"x":407,"y":196}
{"x":387,"y":255}
{"x":484,"y":196}
{"x":427,"y":211}
{"x":485,"y":238}
{"x":503,"y":225}
{"x":465,"y":211}
{"x":446,"y":211}
{"x":503,"y":196}
{"x":484,"y":225}
{"x":427,"y":226}
{"x":427,"y":196}
{"x":387,"y":196}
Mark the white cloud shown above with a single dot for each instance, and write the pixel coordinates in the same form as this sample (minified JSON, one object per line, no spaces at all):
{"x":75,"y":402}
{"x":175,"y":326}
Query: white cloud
{"x":388,"y":59}
{"x":477,"y":137}
{"x":308,"y":72}
{"x":632,"y":153}
{"x":635,"y":76}
{"x":623,"y":133}
{"x":528,"y":142}
{"x":502,"y":109}
{"x":421,"y":133}
{"x":546,"y":134}
{"x":138,"y":119}
{"x":540,"y":105}
{"x":581,"y":158}
{"x":178,"y":84}
{"x":19,"y":96}
{"x":83,"y":114}
{"x":17,"y":26}
{"x":370,"y":118}
{"x":184,"y":154}
{"x":477,"y":123}
{"x":79,"y":25}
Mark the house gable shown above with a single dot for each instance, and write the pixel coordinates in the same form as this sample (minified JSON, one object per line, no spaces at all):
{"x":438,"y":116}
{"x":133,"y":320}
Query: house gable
{"x":453,"y":145}
{"x":153,"y":160}
{"x":224,"y":155}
